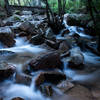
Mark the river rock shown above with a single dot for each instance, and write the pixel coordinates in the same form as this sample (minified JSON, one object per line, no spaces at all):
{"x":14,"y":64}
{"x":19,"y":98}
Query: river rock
{"x":66,"y":31}
{"x":46,"y":90}
{"x":6,"y":70}
{"x":6,"y":37}
{"x":52,"y":44}
{"x":37,"y":39}
{"x":49,"y":33}
{"x":23,"y":79}
{"x":17,"y":98}
{"x":53,"y":77}
{"x":47,"y":62}
{"x":95,"y":90}
{"x":77,"y":20}
{"x":28,"y":27}
{"x":77,"y":59}
{"x":64,"y":47}
{"x":80,"y":92}
{"x":65,"y":86}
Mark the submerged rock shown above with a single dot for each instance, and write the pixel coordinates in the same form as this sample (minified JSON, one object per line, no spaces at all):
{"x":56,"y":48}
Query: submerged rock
{"x":6,"y":70}
{"x":77,"y":59}
{"x":17,"y":98}
{"x":47,"y":62}
{"x":23,"y":79}
{"x":53,"y":77}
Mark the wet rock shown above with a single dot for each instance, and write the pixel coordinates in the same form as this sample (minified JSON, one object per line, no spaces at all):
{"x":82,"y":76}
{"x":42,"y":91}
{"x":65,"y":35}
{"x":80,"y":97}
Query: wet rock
{"x":96,"y":92}
{"x":5,"y":54}
{"x":47,"y":62}
{"x":14,"y":18}
{"x":6,"y":70}
{"x":65,"y":86}
{"x":17,"y":98}
{"x":28,"y":27}
{"x":22,"y":34}
{"x":37,"y":39}
{"x":23,"y":79}
{"x":6,"y":37}
{"x":53,"y":77}
{"x":64,"y":47}
{"x":46,"y":90}
{"x":49,"y":33}
{"x":25,"y":26}
{"x":65,"y":32}
{"x":80,"y":92}
{"x":5,"y":30}
{"x":77,"y":59}
{"x":52,"y":44}
{"x":77,"y":20}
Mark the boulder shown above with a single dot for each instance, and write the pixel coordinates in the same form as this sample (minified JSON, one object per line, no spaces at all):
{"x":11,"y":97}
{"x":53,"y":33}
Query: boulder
{"x":17,"y":98}
{"x":6,"y":37}
{"x":65,"y":32}
{"x":53,"y":77}
{"x":23,"y":79}
{"x":37,"y":39}
{"x":64,"y":47}
{"x":47,"y":62}
{"x":77,"y":59}
{"x":77,"y":20}
{"x":6,"y":70}
{"x":80,"y":92}
{"x":28,"y":27}
{"x":65,"y":86}
{"x":52,"y":44}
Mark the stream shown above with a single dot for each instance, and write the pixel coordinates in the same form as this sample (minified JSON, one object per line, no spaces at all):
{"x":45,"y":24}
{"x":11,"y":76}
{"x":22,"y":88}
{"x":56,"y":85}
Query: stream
{"x":23,"y":52}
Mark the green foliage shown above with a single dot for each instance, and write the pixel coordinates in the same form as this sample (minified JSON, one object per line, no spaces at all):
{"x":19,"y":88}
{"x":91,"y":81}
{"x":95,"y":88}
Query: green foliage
{"x":71,"y":5}
{"x":2,"y":3}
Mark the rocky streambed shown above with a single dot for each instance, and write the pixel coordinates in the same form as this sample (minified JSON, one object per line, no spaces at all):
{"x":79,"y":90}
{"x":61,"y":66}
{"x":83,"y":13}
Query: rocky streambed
{"x":36,"y":64}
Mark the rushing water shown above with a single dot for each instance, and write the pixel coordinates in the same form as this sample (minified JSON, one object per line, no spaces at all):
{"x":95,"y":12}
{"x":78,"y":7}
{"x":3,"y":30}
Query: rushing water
{"x":24,"y":51}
